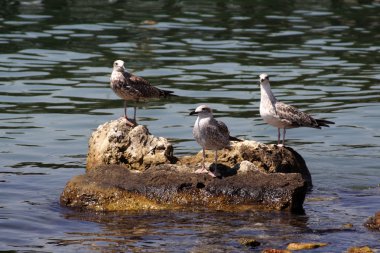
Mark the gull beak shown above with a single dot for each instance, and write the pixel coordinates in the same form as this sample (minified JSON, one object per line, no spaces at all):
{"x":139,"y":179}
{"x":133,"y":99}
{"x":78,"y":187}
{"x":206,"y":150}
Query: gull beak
{"x":193,"y":113}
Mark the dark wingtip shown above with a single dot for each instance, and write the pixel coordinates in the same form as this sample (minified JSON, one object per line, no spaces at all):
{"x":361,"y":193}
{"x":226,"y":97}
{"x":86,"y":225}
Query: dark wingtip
{"x":167,"y":93}
{"x":325,"y":123}
{"x":234,"y":139}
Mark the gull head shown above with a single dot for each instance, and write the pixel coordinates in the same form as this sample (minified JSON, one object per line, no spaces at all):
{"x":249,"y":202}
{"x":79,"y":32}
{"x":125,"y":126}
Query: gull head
{"x":264,"y":78}
{"x":118,"y":65}
{"x":202,"y":111}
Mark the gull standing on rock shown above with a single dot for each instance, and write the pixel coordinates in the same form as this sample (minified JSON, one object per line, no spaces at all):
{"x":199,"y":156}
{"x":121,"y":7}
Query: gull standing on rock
{"x":131,"y":87}
{"x":284,"y":116}
{"x":210,"y":134}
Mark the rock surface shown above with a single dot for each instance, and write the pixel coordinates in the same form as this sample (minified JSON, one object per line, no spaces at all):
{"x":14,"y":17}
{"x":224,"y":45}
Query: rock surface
{"x":130,"y":169}
{"x":267,"y":158}
{"x":135,"y":148}
{"x":114,"y":188}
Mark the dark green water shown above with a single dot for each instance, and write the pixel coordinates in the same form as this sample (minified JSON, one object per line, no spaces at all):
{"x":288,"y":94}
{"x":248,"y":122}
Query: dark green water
{"x":55,"y":62}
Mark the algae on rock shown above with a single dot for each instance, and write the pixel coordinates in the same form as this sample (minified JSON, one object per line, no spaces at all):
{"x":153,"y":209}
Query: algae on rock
{"x":114,"y":188}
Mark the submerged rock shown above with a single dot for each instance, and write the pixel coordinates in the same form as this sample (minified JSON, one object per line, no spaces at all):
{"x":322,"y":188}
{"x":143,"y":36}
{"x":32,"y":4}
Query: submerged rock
{"x":305,"y":245}
{"x":373,"y":222}
{"x":364,"y":249}
{"x":249,"y":242}
{"x":276,"y":251}
{"x":130,"y":169}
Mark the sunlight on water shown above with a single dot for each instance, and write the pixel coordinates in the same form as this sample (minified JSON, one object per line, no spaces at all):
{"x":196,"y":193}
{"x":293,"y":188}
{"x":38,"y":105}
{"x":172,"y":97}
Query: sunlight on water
{"x":55,"y":63}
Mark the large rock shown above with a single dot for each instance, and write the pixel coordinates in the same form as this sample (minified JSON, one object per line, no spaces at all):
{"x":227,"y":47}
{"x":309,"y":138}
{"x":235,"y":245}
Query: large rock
{"x":114,"y":188}
{"x":130,"y":169}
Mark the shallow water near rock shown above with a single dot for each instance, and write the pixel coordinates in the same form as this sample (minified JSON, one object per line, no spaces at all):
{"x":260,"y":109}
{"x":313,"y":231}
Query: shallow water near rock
{"x":55,"y":62}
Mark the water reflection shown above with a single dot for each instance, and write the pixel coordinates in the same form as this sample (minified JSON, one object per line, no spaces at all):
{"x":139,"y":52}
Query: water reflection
{"x":182,"y":230}
{"x":55,"y":63}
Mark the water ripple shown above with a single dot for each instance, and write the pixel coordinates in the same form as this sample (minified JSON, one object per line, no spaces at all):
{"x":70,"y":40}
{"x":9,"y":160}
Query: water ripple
{"x":55,"y":66}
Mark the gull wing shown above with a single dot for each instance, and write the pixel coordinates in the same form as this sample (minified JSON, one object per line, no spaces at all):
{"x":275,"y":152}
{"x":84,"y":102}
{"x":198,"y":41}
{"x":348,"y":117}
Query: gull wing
{"x":142,"y":86}
{"x":291,"y":115}
{"x":217,"y":133}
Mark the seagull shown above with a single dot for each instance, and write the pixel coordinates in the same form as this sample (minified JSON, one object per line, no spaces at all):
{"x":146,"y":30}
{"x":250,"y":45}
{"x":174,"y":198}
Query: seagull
{"x":284,"y":116}
{"x":131,"y":87}
{"x":210,"y":134}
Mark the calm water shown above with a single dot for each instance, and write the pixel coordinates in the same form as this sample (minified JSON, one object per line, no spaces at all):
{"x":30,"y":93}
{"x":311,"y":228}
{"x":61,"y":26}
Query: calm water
{"x":55,"y":62}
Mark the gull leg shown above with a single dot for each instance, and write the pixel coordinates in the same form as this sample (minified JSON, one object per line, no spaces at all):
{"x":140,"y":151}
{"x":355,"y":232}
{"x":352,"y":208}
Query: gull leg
{"x":279,"y":137}
{"x":134,"y":112}
{"x":204,"y":158}
{"x":203,"y":169}
{"x":134,"y":115}
{"x":125,"y":109}
{"x":283,"y":137}
{"x":129,"y":123}
{"x":216,"y":166}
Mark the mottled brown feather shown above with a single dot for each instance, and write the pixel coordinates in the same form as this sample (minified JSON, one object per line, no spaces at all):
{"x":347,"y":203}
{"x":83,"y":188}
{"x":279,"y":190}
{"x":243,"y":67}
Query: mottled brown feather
{"x":141,"y":85}
{"x":294,"y":117}
{"x":217,"y":135}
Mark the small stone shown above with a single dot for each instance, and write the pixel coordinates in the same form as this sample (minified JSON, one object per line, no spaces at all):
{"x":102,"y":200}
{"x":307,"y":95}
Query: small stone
{"x":246,"y":166}
{"x":347,"y":226}
{"x":305,"y":245}
{"x":149,"y":22}
{"x":364,"y":249}
{"x":249,"y":242}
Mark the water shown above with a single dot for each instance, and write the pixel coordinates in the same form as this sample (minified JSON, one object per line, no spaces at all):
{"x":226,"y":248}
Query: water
{"x":55,"y":62}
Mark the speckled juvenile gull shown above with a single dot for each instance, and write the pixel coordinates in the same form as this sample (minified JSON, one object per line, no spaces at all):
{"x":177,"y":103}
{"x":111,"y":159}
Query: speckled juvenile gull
{"x":210,"y":134}
{"x":281,"y":115}
{"x":131,"y":87}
